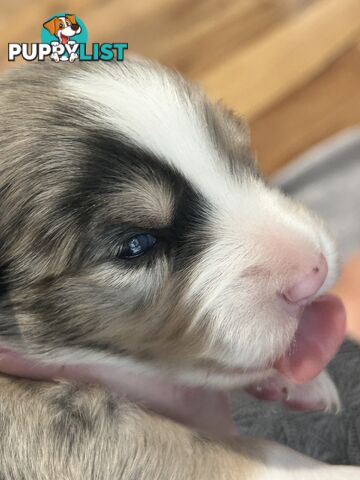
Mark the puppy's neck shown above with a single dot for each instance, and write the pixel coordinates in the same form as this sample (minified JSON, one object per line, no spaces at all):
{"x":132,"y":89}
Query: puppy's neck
{"x":194,"y":406}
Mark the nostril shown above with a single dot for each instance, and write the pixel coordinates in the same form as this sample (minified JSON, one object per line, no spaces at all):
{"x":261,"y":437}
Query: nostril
{"x":308,"y":284}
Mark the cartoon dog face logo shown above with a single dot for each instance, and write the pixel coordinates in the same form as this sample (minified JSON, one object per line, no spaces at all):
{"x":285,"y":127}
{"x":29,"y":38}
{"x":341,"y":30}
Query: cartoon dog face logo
{"x":63,"y":28}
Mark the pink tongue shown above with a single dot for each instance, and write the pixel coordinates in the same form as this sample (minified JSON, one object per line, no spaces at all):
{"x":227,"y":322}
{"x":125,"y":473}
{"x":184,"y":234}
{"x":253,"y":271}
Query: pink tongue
{"x":318,"y":338}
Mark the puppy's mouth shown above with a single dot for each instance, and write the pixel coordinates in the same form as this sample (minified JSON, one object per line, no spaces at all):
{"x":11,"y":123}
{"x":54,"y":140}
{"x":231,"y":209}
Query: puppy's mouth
{"x":319,"y":335}
{"x":64,"y":38}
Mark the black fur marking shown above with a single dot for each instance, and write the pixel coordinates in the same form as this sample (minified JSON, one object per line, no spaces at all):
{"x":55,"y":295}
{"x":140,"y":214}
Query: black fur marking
{"x":70,"y":414}
{"x":109,"y":163}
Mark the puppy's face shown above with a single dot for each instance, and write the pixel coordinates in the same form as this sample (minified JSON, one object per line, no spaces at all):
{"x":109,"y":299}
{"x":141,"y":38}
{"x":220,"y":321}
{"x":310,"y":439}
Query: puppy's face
{"x":135,"y":226}
{"x":63,"y":27}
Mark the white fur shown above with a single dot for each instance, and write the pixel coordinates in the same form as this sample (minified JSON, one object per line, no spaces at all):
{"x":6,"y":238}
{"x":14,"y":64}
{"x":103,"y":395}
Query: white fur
{"x":320,"y":389}
{"x":318,"y":394}
{"x":282,"y":463}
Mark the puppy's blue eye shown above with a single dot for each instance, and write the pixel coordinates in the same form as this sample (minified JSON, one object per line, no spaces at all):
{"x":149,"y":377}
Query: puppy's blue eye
{"x":138,"y":245}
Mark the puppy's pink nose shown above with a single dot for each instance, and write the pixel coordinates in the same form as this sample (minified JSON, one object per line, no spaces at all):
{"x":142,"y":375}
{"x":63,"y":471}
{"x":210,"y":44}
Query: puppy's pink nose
{"x":307,"y":285}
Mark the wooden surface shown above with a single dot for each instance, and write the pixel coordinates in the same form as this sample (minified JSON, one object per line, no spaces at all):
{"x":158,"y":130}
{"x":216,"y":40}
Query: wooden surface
{"x":291,"y":66}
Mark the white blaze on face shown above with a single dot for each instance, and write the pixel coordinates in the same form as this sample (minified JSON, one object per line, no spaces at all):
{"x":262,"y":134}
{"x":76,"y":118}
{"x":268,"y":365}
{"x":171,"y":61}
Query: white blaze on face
{"x":152,"y":109}
{"x":63,"y":22}
{"x":259,"y":241}
{"x":67,"y":30}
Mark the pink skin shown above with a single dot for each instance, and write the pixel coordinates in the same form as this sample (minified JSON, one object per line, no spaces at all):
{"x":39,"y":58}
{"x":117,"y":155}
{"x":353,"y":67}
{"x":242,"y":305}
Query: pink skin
{"x":183,"y":404}
{"x":306,"y":287}
{"x":321,"y":331}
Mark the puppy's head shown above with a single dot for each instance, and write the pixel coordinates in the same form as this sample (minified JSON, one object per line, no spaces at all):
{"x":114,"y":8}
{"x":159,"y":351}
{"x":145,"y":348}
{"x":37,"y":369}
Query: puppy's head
{"x":135,"y":226}
{"x":63,"y":27}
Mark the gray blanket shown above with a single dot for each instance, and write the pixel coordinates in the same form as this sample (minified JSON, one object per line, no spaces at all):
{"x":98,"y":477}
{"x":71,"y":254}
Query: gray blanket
{"x":327,"y":179}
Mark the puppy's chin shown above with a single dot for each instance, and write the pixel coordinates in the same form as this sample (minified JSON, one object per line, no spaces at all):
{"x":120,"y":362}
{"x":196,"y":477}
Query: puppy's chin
{"x":247,"y":345}
{"x":298,"y":346}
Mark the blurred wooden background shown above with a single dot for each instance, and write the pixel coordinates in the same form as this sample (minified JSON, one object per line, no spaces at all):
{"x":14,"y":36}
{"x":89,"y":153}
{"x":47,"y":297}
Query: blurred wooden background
{"x":291,"y":66}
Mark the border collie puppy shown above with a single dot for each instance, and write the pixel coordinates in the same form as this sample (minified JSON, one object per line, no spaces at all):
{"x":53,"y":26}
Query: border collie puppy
{"x":146,"y":270}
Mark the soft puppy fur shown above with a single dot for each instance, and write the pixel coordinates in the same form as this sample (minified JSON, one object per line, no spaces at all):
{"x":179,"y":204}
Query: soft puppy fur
{"x":137,"y":232}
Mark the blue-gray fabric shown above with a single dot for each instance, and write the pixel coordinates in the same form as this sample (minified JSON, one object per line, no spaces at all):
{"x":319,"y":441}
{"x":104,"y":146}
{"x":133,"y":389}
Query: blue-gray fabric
{"x":326,"y":179}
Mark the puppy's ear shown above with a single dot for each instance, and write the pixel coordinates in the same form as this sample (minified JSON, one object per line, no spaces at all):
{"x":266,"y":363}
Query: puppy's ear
{"x":72,"y":18}
{"x":237,"y":122}
{"x":50,"y":26}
